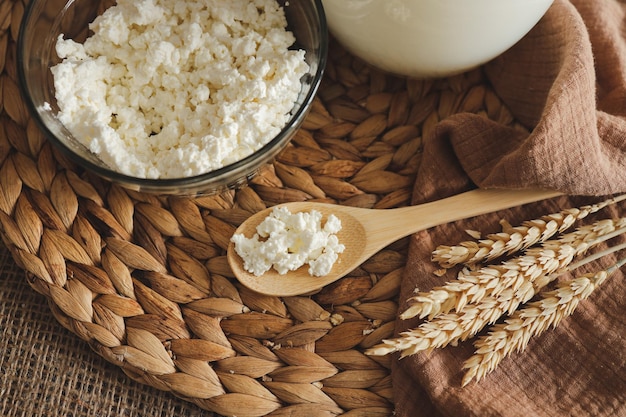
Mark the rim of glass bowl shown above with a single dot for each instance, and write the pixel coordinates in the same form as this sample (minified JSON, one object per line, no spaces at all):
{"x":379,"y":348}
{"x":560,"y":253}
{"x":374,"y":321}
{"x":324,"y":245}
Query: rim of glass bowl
{"x":227,"y":177}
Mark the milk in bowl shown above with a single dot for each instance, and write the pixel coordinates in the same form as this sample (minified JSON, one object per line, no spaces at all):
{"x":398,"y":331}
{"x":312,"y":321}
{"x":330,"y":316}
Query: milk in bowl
{"x":431,"y":38}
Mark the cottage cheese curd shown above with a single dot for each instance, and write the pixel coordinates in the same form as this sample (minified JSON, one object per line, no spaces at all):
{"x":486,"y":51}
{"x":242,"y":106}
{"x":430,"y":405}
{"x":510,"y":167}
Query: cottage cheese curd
{"x":287,"y":241}
{"x":174,"y":88}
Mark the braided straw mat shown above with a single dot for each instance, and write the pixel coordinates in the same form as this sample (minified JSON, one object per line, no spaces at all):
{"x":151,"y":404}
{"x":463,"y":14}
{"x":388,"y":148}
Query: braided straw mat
{"x":143,"y":280}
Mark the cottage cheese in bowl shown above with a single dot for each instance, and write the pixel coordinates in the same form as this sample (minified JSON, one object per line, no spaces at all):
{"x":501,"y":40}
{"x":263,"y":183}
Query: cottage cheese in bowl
{"x":177,"y":88}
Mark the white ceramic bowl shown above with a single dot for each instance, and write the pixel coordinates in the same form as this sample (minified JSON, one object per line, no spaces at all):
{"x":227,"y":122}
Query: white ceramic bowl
{"x":431,"y":38}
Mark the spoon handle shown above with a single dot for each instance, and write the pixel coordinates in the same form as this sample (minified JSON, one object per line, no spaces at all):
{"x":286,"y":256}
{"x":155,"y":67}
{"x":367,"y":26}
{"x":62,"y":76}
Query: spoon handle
{"x":387,"y":226}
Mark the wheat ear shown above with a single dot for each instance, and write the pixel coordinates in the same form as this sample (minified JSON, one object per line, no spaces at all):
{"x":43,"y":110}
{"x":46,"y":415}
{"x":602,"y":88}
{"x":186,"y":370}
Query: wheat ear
{"x":508,"y":288}
{"x":452,"y":327}
{"x":514,"y":239}
{"x":471,"y":286}
{"x":514,"y":334}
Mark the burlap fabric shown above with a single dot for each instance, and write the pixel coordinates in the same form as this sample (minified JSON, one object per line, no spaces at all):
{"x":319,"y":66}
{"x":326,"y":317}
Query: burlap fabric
{"x":46,"y":371}
{"x":565,"y":81}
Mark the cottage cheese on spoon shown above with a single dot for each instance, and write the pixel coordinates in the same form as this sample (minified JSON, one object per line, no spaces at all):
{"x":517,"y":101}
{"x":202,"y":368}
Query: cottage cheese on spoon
{"x":175,"y":88}
{"x":286,"y":242}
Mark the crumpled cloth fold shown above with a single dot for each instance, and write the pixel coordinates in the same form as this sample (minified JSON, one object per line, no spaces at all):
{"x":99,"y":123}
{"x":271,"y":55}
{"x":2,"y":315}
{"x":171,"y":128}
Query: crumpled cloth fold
{"x":565,"y":82}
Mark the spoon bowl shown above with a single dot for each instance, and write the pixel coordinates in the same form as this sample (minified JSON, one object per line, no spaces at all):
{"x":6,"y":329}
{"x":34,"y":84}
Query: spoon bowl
{"x":366,"y":231}
{"x":352,"y":235}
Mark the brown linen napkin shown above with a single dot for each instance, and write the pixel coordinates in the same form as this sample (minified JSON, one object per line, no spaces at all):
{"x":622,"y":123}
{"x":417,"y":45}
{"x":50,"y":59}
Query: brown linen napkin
{"x":575,"y":109}
{"x":566,"y":83}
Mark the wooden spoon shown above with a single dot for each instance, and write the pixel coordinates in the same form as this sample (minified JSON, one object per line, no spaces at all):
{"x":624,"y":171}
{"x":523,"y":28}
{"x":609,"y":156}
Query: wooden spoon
{"x":366,"y":231}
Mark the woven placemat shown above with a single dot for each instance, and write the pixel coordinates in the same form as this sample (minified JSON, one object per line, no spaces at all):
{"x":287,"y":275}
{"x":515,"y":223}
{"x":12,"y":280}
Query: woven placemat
{"x":143,"y":280}
{"x":45,"y":371}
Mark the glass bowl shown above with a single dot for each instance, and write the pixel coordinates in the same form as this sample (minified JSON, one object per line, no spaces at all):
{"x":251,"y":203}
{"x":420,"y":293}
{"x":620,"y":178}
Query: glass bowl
{"x":44,"y":20}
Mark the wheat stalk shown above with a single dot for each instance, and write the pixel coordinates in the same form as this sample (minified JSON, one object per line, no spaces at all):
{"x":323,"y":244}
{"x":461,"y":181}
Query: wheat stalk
{"x":501,"y":288}
{"x":471,"y":286}
{"x":516,"y":331}
{"x":514,"y":239}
